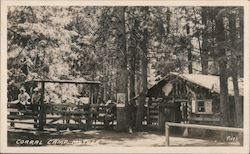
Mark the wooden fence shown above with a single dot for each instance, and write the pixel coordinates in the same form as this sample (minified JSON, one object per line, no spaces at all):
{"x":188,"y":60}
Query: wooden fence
{"x":64,"y":116}
{"x":216,"y":128}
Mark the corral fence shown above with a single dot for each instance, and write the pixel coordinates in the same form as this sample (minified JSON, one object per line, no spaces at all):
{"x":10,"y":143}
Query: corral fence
{"x":207,"y":127}
{"x":63,"y":116}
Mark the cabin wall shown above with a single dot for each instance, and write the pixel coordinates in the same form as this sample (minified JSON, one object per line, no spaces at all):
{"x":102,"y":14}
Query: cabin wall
{"x":205,"y":110}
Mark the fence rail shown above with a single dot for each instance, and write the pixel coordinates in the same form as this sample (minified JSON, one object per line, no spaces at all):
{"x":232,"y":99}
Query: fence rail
{"x":208,"y":127}
{"x":61,"y":116}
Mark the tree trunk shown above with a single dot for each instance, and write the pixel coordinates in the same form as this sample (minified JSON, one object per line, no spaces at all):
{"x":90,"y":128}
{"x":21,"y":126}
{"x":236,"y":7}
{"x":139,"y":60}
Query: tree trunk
{"x":137,"y":83}
{"x":168,"y":20}
{"x":110,"y":86}
{"x":132,"y":51}
{"x":132,"y":63}
{"x":144,"y":64}
{"x":214,"y":68}
{"x":241,"y":70}
{"x":190,"y":67}
{"x":132,"y":77}
{"x":105,"y":86}
{"x":235,"y":67}
{"x":241,"y":45}
{"x":221,"y":54}
{"x":190,"y":64}
{"x":204,"y":48}
{"x":122,"y":86}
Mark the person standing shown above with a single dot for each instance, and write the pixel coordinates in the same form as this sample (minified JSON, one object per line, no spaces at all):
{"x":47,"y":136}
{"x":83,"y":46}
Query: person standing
{"x":35,"y":98}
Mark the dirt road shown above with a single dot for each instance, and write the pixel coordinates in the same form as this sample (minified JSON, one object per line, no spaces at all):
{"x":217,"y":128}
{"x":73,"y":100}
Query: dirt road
{"x":104,"y":138}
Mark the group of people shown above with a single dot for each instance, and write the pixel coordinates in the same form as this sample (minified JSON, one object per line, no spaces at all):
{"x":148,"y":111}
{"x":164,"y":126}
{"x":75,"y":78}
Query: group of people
{"x":26,"y":102}
{"x":24,"y":97}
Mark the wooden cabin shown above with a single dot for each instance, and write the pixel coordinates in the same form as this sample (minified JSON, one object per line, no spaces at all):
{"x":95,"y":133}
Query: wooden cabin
{"x":188,"y":98}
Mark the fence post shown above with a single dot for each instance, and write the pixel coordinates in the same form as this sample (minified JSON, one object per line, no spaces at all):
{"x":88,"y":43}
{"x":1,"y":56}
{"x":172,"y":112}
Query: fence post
{"x":42,"y":115}
{"x":167,"y":134}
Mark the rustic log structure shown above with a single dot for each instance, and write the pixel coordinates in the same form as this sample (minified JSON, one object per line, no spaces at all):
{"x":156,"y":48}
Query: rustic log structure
{"x":189,"y":98}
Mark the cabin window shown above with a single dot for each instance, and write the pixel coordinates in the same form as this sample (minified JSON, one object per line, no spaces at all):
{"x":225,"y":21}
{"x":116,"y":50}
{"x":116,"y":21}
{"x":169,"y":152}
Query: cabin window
{"x":202,"y":106}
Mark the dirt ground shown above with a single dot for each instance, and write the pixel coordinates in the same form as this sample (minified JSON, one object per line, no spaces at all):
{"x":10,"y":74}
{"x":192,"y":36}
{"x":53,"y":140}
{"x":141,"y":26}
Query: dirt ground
{"x":104,"y":138}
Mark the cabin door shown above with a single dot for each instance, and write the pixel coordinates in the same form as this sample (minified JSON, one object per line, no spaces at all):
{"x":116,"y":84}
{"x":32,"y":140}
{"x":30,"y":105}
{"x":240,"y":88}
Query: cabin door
{"x":177,"y":112}
{"x":169,"y":113}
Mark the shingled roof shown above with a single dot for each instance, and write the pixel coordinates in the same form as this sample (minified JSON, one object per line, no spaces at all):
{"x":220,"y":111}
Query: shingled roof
{"x":210,"y":82}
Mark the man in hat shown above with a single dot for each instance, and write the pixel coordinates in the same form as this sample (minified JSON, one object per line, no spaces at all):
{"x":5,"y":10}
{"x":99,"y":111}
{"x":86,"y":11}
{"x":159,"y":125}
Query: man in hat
{"x":20,"y":104}
{"x":23,"y":98}
{"x":35,"y":98}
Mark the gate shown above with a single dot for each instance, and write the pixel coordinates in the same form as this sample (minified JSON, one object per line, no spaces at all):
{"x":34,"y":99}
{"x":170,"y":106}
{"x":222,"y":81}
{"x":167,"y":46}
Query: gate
{"x":83,"y":117}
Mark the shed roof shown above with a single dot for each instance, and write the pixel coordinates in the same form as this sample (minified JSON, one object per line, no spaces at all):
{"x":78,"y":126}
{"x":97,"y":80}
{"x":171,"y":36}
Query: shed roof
{"x":210,"y":82}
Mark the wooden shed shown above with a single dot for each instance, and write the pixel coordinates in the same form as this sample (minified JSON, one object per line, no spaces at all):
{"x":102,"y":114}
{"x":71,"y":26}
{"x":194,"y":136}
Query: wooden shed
{"x":188,"y":98}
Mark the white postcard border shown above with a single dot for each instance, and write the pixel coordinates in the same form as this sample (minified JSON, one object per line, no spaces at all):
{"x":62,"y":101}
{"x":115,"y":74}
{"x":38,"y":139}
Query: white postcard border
{"x":102,"y":149}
